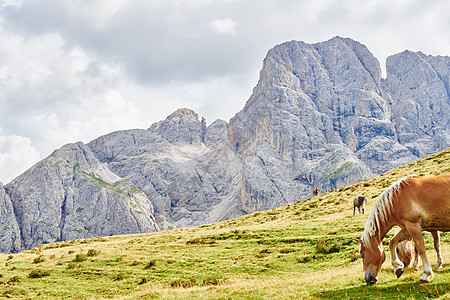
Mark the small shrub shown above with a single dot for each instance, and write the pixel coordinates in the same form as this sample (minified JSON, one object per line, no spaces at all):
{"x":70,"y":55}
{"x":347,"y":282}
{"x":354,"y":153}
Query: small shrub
{"x":287,"y":250}
{"x":184,"y":283}
{"x":150,"y":264}
{"x":328,"y":246}
{"x":72,"y":266}
{"x":202,"y":240}
{"x":93,"y":252}
{"x":14,"y":279}
{"x":80,"y":258}
{"x":38,"y":259}
{"x":38,"y":274}
{"x":119,"y":276}
{"x":354,"y":256}
{"x":304,"y":259}
{"x":10,"y":257}
{"x":71,"y":252}
{"x":143,"y":280}
{"x":211,"y":281}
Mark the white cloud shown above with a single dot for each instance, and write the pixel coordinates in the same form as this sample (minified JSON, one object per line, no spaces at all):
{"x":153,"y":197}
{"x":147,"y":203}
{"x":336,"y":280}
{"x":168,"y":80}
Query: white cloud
{"x":5,"y":3}
{"x":16,"y":156}
{"x":224,"y":26}
{"x":56,"y":94}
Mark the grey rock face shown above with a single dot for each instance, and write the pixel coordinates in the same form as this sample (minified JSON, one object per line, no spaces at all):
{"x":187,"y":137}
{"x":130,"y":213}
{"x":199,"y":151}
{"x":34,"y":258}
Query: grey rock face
{"x":191,"y":178}
{"x":315,"y":106}
{"x":71,"y":195}
{"x":419,"y":92}
{"x":9,"y":229}
{"x":320,"y":116}
{"x":181,"y":127}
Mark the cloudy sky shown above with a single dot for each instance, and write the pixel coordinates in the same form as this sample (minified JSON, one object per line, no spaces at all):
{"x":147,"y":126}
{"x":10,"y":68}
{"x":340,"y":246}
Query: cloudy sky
{"x":72,"y":70}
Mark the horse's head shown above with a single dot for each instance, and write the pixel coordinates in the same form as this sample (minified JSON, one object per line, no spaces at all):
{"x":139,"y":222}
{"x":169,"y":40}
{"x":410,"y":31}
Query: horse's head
{"x":372,"y":258}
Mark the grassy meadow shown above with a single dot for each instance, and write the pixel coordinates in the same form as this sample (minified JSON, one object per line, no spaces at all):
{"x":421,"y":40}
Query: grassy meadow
{"x":300,"y":251}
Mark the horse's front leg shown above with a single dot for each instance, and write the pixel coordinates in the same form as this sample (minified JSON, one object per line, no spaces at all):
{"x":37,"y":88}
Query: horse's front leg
{"x":437,"y":247}
{"x":415,"y":230}
{"x":416,"y":257}
{"x":395,"y":261}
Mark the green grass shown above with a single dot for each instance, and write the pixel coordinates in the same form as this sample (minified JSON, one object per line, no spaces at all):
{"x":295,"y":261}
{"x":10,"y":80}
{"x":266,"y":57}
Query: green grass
{"x":303,"y":250}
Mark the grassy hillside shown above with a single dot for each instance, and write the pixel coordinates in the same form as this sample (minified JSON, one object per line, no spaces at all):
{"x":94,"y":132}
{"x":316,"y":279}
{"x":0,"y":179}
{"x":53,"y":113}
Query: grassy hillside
{"x":302,"y":250}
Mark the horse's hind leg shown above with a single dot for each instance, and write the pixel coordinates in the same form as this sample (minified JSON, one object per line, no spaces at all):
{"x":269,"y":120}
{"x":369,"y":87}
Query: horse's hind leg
{"x":437,"y":247}
{"x":395,"y":261}
{"x":415,"y":230}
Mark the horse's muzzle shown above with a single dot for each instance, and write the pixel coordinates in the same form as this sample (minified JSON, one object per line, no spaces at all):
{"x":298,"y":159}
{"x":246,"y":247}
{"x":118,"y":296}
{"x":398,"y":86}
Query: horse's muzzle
{"x":371,"y":280}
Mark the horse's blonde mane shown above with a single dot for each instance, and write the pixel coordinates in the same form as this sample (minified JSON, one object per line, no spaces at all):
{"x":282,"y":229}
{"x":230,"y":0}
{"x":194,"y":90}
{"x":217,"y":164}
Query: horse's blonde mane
{"x":381,"y":211}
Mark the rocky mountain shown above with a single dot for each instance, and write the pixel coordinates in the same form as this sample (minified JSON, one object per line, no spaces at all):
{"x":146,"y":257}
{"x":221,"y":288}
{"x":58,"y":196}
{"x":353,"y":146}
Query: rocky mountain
{"x":9,"y":229}
{"x":70,"y":194}
{"x":320,"y":115}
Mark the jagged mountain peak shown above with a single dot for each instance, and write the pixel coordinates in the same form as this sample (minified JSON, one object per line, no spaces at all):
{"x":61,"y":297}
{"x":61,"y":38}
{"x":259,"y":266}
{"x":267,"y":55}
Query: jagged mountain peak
{"x":181,"y":127}
{"x":183,"y":114}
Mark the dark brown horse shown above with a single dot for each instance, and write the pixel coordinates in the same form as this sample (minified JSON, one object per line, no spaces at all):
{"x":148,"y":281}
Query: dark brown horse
{"x":415,"y":204}
{"x":360,"y":203}
{"x":316,"y":191}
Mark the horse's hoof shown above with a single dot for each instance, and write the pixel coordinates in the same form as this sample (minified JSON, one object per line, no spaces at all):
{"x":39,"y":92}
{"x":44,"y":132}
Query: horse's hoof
{"x":426,"y":278}
{"x":438,"y":266}
{"x":399,"y":272}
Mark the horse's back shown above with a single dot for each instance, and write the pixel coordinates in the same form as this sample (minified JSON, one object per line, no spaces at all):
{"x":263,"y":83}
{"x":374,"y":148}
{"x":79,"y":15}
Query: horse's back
{"x":434,"y":190}
{"x":430,"y":196}
{"x":360,"y":200}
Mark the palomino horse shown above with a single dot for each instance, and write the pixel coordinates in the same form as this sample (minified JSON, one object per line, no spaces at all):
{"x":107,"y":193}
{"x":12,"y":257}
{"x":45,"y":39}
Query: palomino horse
{"x":360,"y":203}
{"x":316,"y":191}
{"x":414,"y":204}
{"x":405,"y":252}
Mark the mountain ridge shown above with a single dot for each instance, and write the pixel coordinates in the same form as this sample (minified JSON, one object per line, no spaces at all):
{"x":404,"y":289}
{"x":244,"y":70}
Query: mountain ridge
{"x":320,"y":115}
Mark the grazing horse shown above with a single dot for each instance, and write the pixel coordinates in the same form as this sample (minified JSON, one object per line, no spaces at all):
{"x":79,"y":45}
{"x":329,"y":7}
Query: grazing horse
{"x":360,"y":203}
{"x":414,"y":204}
{"x":405,"y":251}
{"x":316,"y":191}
